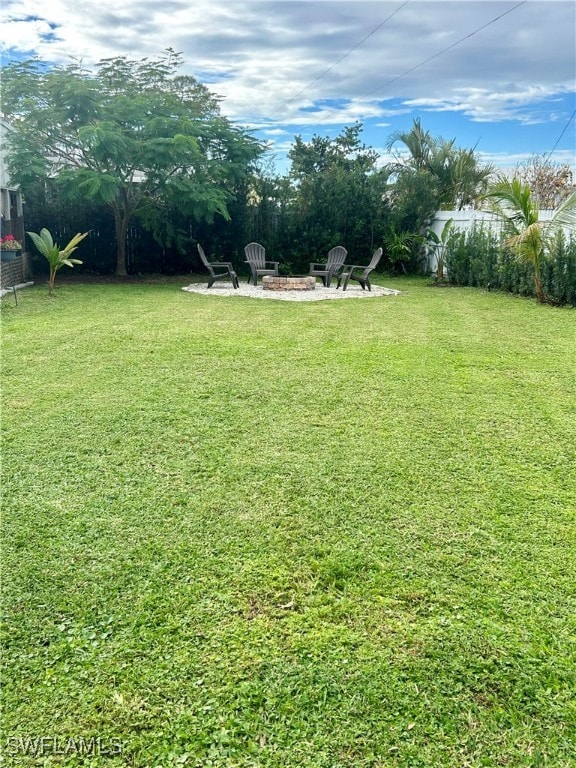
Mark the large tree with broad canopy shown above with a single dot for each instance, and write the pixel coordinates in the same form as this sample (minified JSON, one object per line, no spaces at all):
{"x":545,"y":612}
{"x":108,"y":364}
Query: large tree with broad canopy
{"x":133,"y":134}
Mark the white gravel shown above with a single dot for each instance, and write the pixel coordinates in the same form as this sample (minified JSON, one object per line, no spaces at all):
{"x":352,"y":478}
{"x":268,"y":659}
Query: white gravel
{"x":320,"y":293}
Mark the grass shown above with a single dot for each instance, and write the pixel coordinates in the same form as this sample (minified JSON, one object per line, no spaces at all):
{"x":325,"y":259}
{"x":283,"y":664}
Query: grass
{"x":260,"y":533}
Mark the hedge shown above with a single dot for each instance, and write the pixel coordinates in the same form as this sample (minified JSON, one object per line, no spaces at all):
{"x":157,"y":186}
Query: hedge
{"x":480,"y":258}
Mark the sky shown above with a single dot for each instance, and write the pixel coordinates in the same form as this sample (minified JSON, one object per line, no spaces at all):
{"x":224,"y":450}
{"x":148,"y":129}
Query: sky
{"x":499,"y":77}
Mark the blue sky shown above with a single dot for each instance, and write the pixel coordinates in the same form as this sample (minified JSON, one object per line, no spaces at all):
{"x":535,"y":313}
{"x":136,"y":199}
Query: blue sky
{"x":498,"y":76}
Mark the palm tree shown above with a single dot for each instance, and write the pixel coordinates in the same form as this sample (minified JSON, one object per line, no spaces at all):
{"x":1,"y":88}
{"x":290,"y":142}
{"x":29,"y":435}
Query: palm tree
{"x":468,"y":179}
{"x":460,"y":177}
{"x":400,"y":246}
{"x":528,"y":237}
{"x":417,"y":141}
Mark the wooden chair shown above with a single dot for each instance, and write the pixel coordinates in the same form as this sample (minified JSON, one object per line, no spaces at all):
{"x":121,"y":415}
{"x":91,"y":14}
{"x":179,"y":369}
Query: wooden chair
{"x":219,"y":270}
{"x":334,"y":263}
{"x":364,"y":277}
{"x":256,"y":259}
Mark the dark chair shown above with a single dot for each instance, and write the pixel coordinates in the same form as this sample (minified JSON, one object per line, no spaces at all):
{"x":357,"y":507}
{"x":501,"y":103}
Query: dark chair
{"x":256,"y":258}
{"x":219,"y":270}
{"x":333,"y":265}
{"x":363,"y":278}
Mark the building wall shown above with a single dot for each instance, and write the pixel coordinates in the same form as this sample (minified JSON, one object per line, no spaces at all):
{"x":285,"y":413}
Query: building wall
{"x":11,"y":219}
{"x":13,"y":272}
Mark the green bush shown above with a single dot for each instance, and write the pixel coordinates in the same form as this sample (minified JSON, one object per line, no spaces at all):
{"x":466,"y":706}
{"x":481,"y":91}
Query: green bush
{"x":456,"y":257}
{"x":479,"y":258}
{"x":559,"y":271}
{"x":484,"y":257}
{"x":472,"y":257}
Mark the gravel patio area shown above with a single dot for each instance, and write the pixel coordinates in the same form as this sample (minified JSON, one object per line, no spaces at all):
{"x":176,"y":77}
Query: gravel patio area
{"x":320,"y":293}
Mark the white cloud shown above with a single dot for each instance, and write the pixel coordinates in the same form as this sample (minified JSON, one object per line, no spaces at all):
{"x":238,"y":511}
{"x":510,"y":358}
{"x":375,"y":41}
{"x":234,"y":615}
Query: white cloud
{"x":302,"y":66}
{"x":486,"y":106}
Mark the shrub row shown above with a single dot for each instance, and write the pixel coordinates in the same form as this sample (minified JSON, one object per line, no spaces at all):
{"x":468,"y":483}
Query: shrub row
{"x":479,"y":258}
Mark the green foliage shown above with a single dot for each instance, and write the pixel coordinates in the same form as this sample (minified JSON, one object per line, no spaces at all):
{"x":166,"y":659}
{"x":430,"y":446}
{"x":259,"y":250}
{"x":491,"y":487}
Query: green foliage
{"x":337,"y":196}
{"x":527,"y":237}
{"x":473,"y":258}
{"x":55,"y":256}
{"x":134,"y":135}
{"x":559,"y":270}
{"x":458,"y":177}
{"x":480,"y":258}
{"x":140,"y":144}
{"x":437,"y":245}
{"x":402,"y":249}
{"x":413,"y":198}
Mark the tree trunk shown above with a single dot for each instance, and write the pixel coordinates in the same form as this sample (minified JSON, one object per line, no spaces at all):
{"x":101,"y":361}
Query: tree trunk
{"x":538,"y":287}
{"x":120,"y":226}
{"x":122,"y":215}
{"x":540,"y":293}
{"x":51,"y":280}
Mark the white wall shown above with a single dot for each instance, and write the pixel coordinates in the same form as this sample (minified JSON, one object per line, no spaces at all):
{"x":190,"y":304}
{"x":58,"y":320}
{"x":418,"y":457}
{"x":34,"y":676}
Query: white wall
{"x":8,"y":191}
{"x":4,"y":180}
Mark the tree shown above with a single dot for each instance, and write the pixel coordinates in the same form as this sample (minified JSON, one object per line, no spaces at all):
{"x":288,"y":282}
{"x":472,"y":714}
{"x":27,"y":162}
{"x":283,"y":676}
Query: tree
{"x":549,"y":182}
{"x":270,"y":201}
{"x":413,"y":196}
{"x":418,"y":142}
{"x":458,"y":176}
{"x":133,"y":134}
{"x":338,"y":193}
{"x":528,"y":237}
{"x":462,"y":180}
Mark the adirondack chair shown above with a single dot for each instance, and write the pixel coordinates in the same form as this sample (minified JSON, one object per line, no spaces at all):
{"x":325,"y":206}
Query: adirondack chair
{"x":219,"y":270}
{"x":330,"y":269}
{"x":364,"y":272}
{"x":256,"y":259}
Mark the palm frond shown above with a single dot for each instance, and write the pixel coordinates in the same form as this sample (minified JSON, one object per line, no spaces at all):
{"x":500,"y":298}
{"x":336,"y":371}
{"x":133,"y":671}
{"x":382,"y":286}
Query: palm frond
{"x":565,"y":215}
{"x":47,"y":238}
{"x":512,"y":201}
{"x":528,"y":244}
{"x":73,"y":244}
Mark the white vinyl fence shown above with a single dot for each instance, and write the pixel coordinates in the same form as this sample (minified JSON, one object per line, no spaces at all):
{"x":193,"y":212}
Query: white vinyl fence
{"x":465,"y":220}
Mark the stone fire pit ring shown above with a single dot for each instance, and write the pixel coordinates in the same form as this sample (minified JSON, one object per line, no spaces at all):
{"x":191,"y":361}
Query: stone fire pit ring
{"x":288,"y":283}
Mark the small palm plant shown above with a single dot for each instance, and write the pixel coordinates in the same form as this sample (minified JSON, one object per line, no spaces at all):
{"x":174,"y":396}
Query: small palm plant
{"x":437,"y":245}
{"x":56,"y":256}
{"x":528,"y":237}
{"x":400,"y":246}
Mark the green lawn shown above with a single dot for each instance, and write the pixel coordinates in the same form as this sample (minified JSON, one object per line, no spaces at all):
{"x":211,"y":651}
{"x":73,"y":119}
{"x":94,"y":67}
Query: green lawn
{"x":262,"y":533}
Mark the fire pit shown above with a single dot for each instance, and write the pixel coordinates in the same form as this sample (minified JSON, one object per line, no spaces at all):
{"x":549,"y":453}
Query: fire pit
{"x":288,"y":283}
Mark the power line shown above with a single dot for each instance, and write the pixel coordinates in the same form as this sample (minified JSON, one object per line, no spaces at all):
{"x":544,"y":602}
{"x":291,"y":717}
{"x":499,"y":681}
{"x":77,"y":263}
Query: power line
{"x":561,"y":134}
{"x":426,"y":61}
{"x":330,"y":68}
